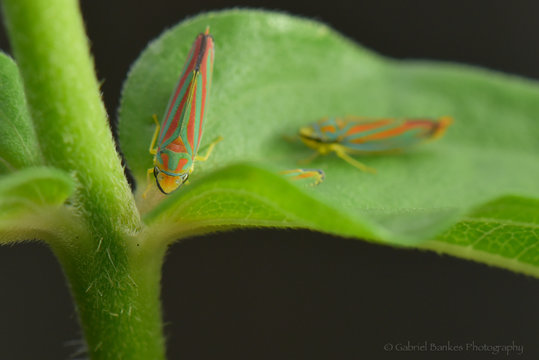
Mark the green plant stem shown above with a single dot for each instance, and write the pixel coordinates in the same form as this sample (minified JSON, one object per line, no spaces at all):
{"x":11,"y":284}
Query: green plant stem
{"x":114,"y":284}
{"x":117,"y":301}
{"x":51,"y":50}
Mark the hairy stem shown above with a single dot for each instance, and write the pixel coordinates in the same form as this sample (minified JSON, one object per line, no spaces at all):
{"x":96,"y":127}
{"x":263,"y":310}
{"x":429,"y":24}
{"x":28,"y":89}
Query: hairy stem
{"x":117,"y":300}
{"x":51,"y":49}
{"x":115,"y":284}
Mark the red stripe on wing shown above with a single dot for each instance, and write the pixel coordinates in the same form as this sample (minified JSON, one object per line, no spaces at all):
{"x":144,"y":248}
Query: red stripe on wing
{"x":205,"y":86}
{"x":175,"y":122}
{"x":367,"y":126}
{"x":186,"y":72}
{"x":192,"y":115}
{"x":409,"y":124}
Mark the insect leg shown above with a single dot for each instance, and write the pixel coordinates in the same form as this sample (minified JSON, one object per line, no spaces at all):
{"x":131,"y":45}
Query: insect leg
{"x":153,"y":149}
{"x":210,"y":149}
{"x":343,"y":155}
{"x":311,"y":177}
{"x":309,"y":159}
{"x":149,"y":186}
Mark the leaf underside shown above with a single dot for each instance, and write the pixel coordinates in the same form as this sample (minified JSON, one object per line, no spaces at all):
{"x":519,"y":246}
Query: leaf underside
{"x":30,"y":201}
{"x":275,"y":73}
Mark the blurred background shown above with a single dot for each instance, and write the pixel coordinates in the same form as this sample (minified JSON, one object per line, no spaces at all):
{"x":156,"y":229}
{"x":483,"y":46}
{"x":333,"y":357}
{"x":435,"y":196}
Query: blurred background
{"x":262,"y":294}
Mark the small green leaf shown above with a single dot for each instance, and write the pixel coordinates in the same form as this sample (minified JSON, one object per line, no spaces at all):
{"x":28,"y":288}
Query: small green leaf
{"x":274,"y":73}
{"x":37,"y":185}
{"x":18,"y":143}
{"x":27,"y":198}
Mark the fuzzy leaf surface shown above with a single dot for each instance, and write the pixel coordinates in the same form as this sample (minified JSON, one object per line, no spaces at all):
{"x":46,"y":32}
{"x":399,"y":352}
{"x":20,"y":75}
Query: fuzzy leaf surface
{"x":30,"y":202}
{"x":274,"y":73}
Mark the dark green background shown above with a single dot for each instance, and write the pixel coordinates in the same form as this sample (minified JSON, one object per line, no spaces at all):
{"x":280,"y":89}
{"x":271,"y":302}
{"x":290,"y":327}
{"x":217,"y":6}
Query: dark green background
{"x":296,"y":294}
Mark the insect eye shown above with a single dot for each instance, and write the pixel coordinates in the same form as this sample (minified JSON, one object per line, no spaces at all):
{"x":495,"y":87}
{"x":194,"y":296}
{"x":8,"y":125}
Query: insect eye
{"x":182,"y":179}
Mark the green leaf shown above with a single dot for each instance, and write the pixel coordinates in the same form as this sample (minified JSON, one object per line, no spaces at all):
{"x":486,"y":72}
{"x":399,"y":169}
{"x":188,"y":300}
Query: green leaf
{"x":275,"y":73}
{"x":243,"y":195}
{"x":18,"y":143}
{"x":503,"y":232}
{"x":29,"y":199}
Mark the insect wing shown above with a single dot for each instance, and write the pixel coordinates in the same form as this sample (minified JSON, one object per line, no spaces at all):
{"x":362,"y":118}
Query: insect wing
{"x":184,"y":116}
{"x":379,"y":135}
